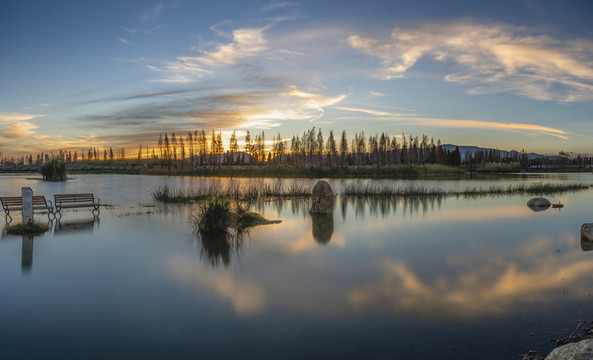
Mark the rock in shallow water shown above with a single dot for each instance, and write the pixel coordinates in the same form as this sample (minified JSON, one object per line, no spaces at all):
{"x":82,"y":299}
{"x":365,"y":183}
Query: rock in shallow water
{"x":582,"y":350}
{"x":323,"y":198}
{"x":539,"y":204}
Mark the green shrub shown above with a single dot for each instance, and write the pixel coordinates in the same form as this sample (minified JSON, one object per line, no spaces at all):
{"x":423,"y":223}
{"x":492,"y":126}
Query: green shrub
{"x":53,"y":170}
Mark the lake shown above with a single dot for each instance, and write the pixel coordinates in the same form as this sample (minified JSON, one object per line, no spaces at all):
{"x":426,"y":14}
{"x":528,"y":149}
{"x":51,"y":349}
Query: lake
{"x":452,"y":278}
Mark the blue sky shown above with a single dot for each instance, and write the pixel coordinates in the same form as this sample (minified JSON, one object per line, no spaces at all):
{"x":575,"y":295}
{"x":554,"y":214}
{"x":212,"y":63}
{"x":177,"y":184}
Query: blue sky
{"x":506,"y":74}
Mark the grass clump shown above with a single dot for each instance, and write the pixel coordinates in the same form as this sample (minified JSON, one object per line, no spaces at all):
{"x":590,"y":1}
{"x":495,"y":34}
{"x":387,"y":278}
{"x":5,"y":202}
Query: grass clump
{"x":215,"y":218}
{"x":169,"y":195}
{"x":28,"y":228}
{"x":245,"y":218}
{"x":218,"y":217}
{"x":53,"y":170}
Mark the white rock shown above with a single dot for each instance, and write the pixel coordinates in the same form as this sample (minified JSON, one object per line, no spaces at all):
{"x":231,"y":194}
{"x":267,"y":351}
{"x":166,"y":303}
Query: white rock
{"x":582,"y":350}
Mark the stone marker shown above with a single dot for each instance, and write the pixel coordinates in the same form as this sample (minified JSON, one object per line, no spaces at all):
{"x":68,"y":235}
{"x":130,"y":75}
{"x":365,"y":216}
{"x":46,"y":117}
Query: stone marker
{"x":27,"y":194}
{"x":587,"y":231}
{"x":323,"y":198}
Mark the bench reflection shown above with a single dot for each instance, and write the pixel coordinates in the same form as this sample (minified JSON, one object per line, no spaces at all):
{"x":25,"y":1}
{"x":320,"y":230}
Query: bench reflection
{"x":78,"y":225}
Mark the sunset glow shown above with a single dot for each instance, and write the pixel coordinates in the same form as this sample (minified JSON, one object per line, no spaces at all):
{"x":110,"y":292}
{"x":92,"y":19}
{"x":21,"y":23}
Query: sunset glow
{"x":519,"y":77}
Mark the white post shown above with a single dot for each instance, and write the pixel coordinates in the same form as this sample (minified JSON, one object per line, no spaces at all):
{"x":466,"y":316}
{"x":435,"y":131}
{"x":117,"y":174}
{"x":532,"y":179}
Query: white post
{"x":27,"y":204}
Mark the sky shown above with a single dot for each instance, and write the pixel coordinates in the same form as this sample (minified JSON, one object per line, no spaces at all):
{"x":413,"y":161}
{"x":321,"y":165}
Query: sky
{"x":504,"y":74}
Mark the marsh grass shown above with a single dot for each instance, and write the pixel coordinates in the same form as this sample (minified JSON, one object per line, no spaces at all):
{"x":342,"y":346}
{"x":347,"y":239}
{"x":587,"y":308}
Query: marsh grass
{"x":219,"y":216}
{"x":232,"y":192}
{"x":238,"y":194}
{"x":385,"y":191}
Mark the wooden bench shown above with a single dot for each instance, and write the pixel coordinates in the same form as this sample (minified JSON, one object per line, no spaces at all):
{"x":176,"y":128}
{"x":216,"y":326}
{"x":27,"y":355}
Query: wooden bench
{"x":70,"y":201}
{"x":10,"y":203}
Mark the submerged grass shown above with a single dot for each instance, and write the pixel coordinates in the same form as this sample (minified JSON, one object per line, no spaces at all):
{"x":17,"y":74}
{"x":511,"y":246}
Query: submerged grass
{"x":233,"y":192}
{"x":238,"y":194}
{"x":385,"y":191}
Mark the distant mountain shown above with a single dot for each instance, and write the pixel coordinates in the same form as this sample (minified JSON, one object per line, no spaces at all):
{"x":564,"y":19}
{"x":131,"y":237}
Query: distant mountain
{"x":503,"y":153}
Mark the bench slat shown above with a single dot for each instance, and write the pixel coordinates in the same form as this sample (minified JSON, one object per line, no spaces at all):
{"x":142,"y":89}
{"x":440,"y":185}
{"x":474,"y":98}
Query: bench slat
{"x":68,"y":201}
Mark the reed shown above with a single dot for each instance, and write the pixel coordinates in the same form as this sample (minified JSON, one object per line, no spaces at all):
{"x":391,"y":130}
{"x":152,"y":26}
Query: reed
{"x":385,"y":191}
{"x":237,"y":194}
{"x":232,"y":192}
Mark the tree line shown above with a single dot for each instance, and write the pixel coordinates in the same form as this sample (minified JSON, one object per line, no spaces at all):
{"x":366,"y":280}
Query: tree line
{"x":92,"y":154}
{"x":309,"y":149}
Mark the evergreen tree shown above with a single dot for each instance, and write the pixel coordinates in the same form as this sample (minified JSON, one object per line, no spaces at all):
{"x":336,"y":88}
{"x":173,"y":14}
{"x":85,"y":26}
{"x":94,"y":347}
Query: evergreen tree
{"x":343,"y":147}
{"x":331,"y":148}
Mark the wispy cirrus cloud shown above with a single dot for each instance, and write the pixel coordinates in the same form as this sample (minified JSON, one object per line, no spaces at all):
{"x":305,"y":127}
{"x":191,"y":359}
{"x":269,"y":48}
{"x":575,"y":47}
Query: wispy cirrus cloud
{"x":490,"y":58}
{"x":7,"y":118}
{"x":151,"y":14}
{"x":491,"y":125}
{"x":280,"y":5}
{"x":418,"y":120}
{"x":185,"y":69}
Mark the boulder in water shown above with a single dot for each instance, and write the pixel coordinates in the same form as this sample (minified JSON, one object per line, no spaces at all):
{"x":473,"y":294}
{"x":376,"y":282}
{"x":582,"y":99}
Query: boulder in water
{"x":539,"y":204}
{"x":323,"y":198}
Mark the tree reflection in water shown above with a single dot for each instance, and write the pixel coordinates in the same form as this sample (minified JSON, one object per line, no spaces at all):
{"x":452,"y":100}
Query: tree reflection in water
{"x":387,"y":206}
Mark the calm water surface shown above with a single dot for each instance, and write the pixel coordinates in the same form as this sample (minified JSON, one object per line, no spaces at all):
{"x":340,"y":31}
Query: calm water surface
{"x":454,"y":278}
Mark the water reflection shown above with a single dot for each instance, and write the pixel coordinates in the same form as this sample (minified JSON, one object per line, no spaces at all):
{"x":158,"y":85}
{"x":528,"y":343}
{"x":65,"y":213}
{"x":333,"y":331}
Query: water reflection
{"x":481,"y":284}
{"x":539,"y":207}
{"x":586,"y":245}
{"x":78,"y":225}
{"x":27,"y":245}
{"x":409,"y":266}
{"x":364,"y":206}
{"x":27,"y":254}
{"x":246,"y":297}
{"x":218,"y":248}
{"x":323,"y":227}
